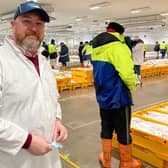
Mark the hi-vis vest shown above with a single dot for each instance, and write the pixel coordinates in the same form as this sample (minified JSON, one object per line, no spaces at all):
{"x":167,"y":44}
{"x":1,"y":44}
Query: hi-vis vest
{"x":52,"y":48}
{"x":87,"y":49}
{"x":163,"y":46}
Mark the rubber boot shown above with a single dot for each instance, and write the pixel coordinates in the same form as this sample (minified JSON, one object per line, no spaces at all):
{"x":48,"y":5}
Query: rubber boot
{"x":105,"y":156}
{"x":126,"y":160}
{"x":63,"y":68}
{"x":81,"y":65}
{"x":52,"y":66}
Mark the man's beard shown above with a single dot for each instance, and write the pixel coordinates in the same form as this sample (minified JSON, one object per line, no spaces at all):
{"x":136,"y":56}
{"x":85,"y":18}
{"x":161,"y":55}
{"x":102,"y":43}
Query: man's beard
{"x":31,"y":45}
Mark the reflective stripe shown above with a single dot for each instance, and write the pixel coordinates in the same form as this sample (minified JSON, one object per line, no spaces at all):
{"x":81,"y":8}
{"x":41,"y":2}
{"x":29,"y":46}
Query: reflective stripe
{"x":65,"y":55}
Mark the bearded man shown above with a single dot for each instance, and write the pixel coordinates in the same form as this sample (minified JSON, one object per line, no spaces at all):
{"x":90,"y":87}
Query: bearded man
{"x":30,"y":114}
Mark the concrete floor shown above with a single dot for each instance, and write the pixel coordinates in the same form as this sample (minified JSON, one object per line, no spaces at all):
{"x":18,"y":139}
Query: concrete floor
{"x":81,"y":117}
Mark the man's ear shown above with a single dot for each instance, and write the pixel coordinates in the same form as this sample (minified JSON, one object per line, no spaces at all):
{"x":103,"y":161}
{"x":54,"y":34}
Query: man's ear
{"x":12,"y":23}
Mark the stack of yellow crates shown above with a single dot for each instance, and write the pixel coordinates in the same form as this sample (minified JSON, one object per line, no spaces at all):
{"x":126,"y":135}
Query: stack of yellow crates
{"x":82,"y":77}
{"x":149,"y":129}
{"x":155,"y":70}
{"x":63,"y":82}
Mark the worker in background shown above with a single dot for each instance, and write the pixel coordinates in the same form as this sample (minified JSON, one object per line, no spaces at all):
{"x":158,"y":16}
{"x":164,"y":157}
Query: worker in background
{"x":30,"y":114}
{"x":114,"y":79}
{"x":81,"y":45}
{"x":128,"y":41}
{"x":45,"y":50}
{"x":145,"y":50}
{"x":64,"y":56}
{"x":86,"y":54}
{"x":163,"y":49}
{"x":157,"y":49}
{"x":52,"y":49}
{"x":138,"y":57}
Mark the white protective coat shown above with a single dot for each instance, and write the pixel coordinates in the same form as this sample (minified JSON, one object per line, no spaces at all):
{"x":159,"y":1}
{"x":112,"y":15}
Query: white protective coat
{"x":138,"y":54}
{"x":28,"y":103}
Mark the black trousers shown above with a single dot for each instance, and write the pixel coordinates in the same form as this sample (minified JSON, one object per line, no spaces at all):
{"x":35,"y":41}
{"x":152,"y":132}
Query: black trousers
{"x":117,"y":120}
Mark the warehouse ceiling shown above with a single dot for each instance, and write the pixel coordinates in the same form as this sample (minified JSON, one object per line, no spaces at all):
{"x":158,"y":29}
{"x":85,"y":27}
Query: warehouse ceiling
{"x":77,"y":18}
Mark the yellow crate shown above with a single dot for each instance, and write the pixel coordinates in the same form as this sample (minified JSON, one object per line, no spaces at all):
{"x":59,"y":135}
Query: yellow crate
{"x":154,"y":70}
{"x":143,"y":152}
{"x":63,"y":82}
{"x":150,"y":147}
{"x":83,"y":74}
{"x":78,"y":84}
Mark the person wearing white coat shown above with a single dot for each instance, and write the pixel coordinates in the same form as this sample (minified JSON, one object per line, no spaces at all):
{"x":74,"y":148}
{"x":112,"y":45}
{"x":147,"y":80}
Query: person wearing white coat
{"x":30,"y":114}
{"x":138,"y":57}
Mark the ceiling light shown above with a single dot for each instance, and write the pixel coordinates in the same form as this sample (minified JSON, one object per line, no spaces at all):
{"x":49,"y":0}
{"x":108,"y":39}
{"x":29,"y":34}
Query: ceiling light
{"x":135,"y":11}
{"x":164,"y":14}
{"x":99,"y":5}
{"x":94,"y":7}
{"x":78,"y":19}
{"x":139,"y":10}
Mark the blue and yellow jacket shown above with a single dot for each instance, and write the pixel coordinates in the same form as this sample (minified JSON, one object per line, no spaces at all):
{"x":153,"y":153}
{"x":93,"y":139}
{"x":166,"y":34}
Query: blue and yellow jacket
{"x":113,"y":71}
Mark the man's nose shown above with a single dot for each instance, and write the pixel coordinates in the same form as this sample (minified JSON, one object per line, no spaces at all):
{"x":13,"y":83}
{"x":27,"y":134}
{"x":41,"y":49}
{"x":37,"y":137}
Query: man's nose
{"x":34,"y":27}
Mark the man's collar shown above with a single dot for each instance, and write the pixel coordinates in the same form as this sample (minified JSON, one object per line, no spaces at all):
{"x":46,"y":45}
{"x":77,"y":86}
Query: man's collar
{"x":26,"y":53}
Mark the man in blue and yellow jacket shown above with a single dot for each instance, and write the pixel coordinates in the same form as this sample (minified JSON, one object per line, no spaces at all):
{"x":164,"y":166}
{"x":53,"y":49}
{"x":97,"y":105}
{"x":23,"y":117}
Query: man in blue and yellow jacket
{"x":114,"y":79}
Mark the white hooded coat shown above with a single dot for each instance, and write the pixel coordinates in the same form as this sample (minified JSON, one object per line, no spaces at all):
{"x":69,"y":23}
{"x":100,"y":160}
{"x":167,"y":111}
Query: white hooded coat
{"x":28,"y":103}
{"x":138,"y":53}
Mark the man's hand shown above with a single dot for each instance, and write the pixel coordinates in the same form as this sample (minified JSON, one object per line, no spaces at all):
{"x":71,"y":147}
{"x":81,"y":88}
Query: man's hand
{"x":39,"y":145}
{"x":60,"y":132}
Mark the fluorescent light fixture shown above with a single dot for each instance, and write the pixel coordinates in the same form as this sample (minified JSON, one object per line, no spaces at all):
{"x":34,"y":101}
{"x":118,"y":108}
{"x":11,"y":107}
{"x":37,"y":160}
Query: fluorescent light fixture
{"x":94,"y":7}
{"x":164,"y":14}
{"x":78,"y":19}
{"x":135,"y":11}
{"x":139,"y":10}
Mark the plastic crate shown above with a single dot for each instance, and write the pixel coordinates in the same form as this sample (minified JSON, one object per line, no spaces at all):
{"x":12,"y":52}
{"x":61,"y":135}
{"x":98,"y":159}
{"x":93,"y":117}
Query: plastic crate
{"x":85,"y":75}
{"x":148,"y":71}
{"x":63,"y":82}
{"x":150,"y":138}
